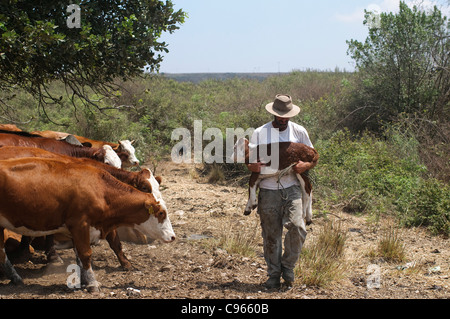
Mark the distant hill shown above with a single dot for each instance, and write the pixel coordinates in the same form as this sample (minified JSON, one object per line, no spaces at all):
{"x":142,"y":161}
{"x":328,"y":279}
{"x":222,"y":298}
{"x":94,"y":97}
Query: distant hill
{"x":198,"y":77}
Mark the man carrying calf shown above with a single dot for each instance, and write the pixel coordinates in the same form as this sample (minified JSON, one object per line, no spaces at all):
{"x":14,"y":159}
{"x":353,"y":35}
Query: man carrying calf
{"x":279,"y":201}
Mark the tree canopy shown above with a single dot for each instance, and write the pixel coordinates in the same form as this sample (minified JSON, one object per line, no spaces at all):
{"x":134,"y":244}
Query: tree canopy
{"x":404,"y":67}
{"x":114,"y":39}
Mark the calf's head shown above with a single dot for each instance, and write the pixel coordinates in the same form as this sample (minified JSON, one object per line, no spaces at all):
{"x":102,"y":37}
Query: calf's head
{"x":240,"y":151}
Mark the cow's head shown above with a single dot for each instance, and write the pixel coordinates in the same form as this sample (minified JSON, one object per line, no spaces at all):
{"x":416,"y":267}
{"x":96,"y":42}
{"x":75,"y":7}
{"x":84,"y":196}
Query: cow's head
{"x":111,"y":157}
{"x":126,"y":146}
{"x":148,"y":183}
{"x":158,"y":226}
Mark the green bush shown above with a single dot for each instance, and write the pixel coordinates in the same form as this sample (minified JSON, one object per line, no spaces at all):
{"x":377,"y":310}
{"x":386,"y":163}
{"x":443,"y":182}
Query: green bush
{"x":428,"y":205}
{"x":367,"y":175}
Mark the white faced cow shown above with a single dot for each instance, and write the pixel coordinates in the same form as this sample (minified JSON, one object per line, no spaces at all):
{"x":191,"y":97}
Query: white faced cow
{"x":43,"y":196}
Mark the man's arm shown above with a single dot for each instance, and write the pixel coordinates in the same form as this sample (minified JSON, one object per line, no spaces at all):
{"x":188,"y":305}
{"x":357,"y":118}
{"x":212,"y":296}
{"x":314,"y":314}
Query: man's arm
{"x":255,"y":167}
{"x":302,"y":167}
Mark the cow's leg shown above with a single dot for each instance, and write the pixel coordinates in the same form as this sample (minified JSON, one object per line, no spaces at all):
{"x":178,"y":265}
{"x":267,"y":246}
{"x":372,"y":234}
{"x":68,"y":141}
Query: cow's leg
{"x":5,"y":264}
{"x":50,"y":251}
{"x":252,"y":202}
{"x":306,"y":198}
{"x":116,"y":246}
{"x":22,"y":252}
{"x":83,"y":252}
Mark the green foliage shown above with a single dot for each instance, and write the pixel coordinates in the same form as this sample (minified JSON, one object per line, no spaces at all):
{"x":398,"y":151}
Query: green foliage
{"x":427,"y":205}
{"x":366,"y":175}
{"x":116,"y":39}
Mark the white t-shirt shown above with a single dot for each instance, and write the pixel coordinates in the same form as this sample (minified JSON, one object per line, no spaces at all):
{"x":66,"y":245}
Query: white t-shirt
{"x":266,"y":134}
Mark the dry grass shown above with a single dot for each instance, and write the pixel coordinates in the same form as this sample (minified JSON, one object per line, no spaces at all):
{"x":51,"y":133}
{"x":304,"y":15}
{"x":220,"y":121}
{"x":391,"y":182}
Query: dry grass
{"x":237,"y":236}
{"x":236,"y":239}
{"x":322,"y":262}
{"x":215,"y":174}
{"x":390,"y":247}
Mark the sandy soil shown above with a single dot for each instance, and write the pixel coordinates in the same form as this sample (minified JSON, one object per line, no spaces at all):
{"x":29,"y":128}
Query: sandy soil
{"x":192,"y":267}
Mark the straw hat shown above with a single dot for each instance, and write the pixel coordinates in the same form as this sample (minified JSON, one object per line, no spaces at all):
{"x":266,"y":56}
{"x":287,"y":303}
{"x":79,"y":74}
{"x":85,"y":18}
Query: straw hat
{"x":283,"y":106}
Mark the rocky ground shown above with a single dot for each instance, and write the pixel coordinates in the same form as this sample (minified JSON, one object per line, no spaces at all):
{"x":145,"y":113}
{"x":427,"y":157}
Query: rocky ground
{"x":194,"y":267}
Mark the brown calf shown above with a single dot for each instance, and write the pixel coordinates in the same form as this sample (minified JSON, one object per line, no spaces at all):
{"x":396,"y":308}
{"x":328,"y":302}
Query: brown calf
{"x":289,"y":153}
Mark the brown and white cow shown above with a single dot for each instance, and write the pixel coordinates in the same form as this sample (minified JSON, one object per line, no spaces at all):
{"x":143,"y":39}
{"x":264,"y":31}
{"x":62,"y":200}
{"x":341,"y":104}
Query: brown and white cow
{"x":42,"y":196}
{"x":288,"y":154}
{"x":104,"y":154}
{"x":124,"y":146}
{"x":143,"y":180}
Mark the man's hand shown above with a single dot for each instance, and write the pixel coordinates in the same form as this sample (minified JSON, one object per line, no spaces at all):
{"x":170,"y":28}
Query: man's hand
{"x":301,"y":167}
{"x":255,"y":167}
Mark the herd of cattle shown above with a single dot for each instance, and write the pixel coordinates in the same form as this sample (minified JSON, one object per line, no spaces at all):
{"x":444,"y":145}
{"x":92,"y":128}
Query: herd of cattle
{"x":58,"y":183}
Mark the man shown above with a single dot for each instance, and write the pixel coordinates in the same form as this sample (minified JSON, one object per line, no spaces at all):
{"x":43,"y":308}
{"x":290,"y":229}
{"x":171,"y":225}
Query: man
{"x":279,"y":201}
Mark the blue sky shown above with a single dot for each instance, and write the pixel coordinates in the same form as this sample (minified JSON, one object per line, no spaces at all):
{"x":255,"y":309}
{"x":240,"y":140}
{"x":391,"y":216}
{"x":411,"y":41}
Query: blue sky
{"x":270,"y":35}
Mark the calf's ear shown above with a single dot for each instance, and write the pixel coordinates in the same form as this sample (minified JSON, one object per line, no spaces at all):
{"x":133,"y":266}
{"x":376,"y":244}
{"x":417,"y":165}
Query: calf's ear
{"x":158,"y":179}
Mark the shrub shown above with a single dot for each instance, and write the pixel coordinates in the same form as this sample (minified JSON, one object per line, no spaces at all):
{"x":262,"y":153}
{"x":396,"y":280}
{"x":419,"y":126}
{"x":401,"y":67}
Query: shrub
{"x":427,"y":205}
{"x":322,"y":262}
{"x":238,"y":240}
{"x":390,"y":247}
{"x":367,"y":175}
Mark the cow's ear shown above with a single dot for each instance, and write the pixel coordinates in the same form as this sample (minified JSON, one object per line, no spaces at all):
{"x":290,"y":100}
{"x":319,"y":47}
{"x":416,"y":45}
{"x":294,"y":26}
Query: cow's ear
{"x":152,"y":207}
{"x":158,"y":179}
{"x":149,"y":204}
{"x":145,"y":173}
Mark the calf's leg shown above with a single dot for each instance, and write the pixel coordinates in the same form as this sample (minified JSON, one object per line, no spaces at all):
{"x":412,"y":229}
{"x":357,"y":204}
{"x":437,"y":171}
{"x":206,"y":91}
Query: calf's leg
{"x":252,"y":202}
{"x":306,"y":197}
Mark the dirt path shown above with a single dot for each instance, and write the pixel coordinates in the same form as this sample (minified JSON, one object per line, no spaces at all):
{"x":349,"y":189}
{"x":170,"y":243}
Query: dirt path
{"x":193,"y":267}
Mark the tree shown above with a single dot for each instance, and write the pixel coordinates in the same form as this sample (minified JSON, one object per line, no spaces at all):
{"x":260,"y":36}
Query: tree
{"x":403,"y":66}
{"x":39,"y":43}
